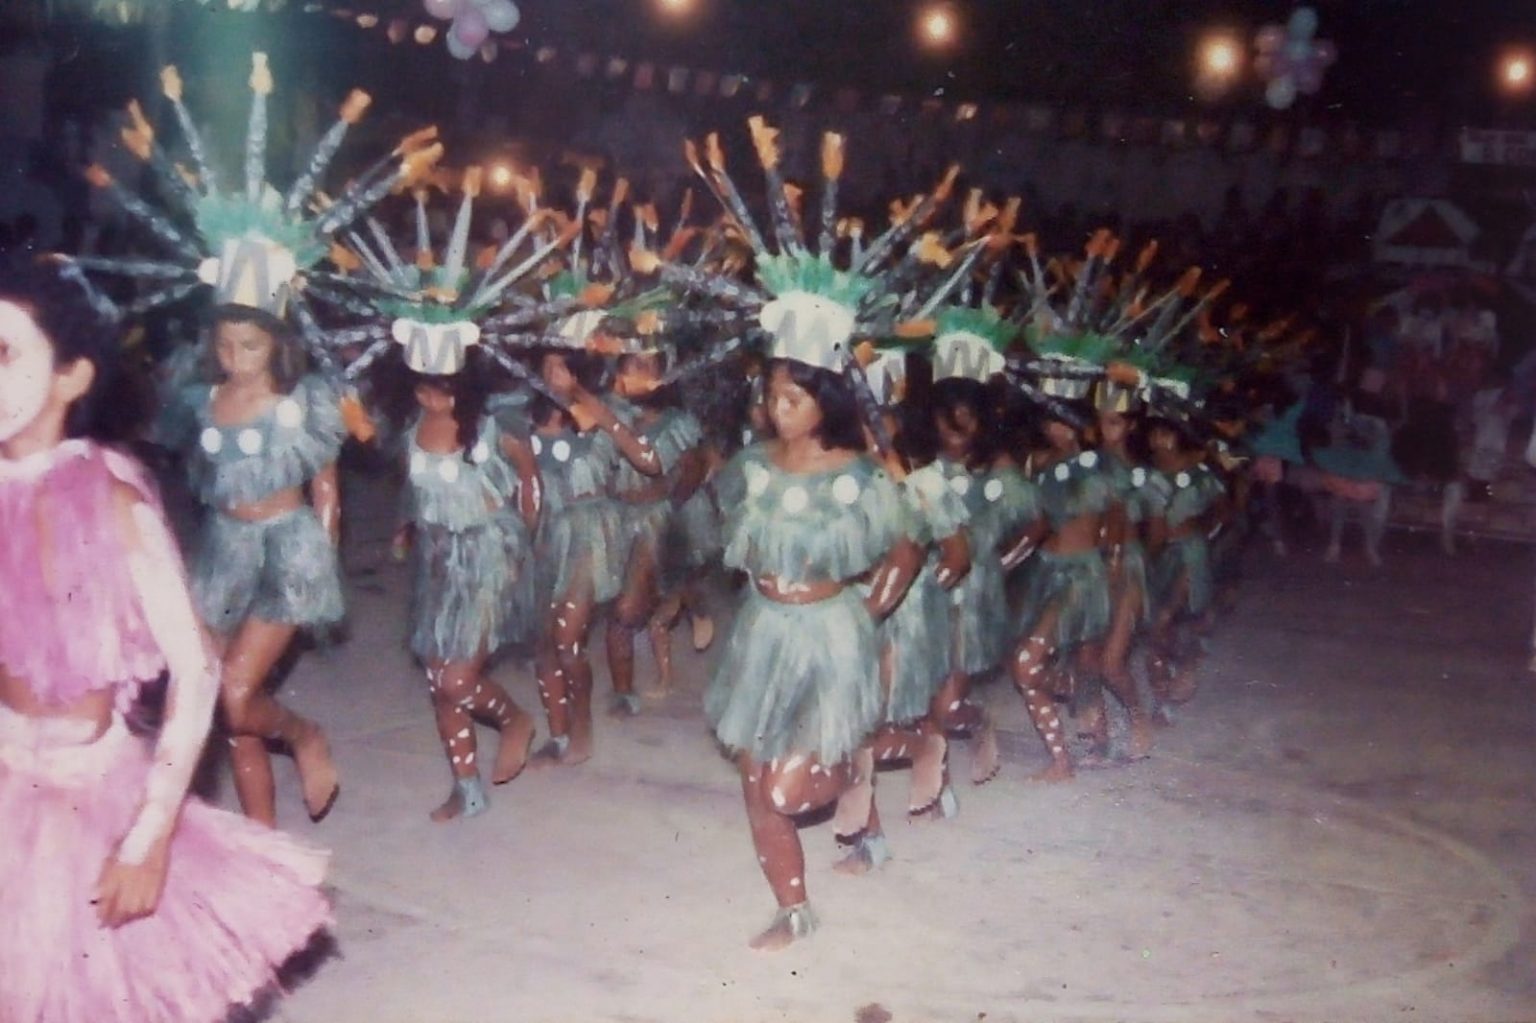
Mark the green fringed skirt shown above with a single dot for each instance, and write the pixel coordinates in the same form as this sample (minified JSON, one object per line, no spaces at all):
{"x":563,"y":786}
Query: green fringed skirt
{"x":1077,"y":586}
{"x":1188,"y":558}
{"x":917,"y":636}
{"x":471,"y":589}
{"x":282,"y":569}
{"x":797,"y":679}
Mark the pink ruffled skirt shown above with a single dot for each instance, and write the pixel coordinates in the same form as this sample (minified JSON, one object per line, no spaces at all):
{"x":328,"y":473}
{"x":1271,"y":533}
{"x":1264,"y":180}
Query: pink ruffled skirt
{"x":239,"y":899}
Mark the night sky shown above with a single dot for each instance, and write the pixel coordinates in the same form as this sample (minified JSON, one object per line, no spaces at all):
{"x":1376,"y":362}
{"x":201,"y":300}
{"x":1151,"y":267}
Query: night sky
{"x":1399,"y":59}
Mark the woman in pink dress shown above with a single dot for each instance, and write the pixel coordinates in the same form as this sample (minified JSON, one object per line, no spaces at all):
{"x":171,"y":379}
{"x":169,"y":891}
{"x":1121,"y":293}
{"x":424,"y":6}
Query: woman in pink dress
{"x":121,"y":898}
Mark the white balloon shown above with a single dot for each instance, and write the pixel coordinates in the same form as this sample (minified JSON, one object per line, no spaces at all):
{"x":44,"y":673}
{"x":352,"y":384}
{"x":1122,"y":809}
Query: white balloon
{"x":500,"y":15}
{"x":459,"y":50}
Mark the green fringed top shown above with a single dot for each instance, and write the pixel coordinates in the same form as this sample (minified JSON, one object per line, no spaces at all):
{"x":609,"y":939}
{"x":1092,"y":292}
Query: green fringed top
{"x":459,"y":490}
{"x":283,"y":448}
{"x":672,"y":436}
{"x":574,"y":466}
{"x":934,"y":511}
{"x":1192,"y":493}
{"x":1142,"y":491}
{"x":810,"y":527}
{"x":1074,"y":487}
{"x":1000,"y":502}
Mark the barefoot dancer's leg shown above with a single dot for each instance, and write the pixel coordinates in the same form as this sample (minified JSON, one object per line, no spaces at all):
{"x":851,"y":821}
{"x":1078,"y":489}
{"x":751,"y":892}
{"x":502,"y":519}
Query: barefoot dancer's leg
{"x":631,"y":612}
{"x":954,"y":712}
{"x":1088,"y":698}
{"x":572,"y":625}
{"x":253,"y":714}
{"x":773,"y":793}
{"x":461,"y":694}
{"x":1117,"y":672}
{"x":1029,"y":666}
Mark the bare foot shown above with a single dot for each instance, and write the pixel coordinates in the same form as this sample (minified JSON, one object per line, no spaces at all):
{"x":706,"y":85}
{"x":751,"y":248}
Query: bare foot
{"x":552,"y":754}
{"x":929,"y":776}
{"x":789,"y":925}
{"x":1059,"y":771}
{"x":512,"y":754}
{"x":1183,"y":685}
{"x":580,"y":750}
{"x":867,"y":853}
{"x":1141,"y":737}
{"x":624,"y":705}
{"x":452,"y":809}
{"x":986,"y":759}
{"x":703,"y":628}
{"x":317,"y":771}
{"x":466,"y":800}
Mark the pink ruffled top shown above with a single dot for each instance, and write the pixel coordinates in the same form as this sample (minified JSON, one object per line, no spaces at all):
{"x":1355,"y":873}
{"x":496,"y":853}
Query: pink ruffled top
{"x":72,"y":623}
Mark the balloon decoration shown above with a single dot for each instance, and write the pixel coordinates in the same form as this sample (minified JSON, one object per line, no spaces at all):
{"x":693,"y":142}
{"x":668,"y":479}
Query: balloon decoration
{"x":473,"y":22}
{"x":1291,"y":60}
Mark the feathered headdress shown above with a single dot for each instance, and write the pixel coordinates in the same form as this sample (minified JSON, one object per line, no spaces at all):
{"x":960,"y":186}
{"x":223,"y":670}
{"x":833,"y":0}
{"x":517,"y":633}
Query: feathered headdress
{"x":814,"y":301}
{"x":436,"y":306}
{"x":249,"y":244}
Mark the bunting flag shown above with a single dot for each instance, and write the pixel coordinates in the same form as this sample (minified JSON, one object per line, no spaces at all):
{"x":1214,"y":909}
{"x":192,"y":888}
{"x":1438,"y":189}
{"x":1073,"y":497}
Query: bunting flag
{"x":1303,"y":140}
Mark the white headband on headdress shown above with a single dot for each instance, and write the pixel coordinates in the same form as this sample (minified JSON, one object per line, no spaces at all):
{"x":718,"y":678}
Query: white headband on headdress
{"x":967,"y":356}
{"x":887,"y":375}
{"x":252,"y":271}
{"x":436,"y":348}
{"x":808,"y":328}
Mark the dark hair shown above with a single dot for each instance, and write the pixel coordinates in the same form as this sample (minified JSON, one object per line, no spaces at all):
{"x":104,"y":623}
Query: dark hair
{"x":65,"y":308}
{"x":289,"y":361}
{"x":954,"y":393}
{"x":587,"y":368}
{"x":840,"y":425}
{"x":1062,"y":410}
{"x":393,"y":384}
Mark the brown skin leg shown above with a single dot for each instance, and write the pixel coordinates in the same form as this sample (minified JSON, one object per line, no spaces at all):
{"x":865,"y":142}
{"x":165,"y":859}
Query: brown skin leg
{"x":1115,"y":669}
{"x":1031,"y":666}
{"x":953,"y":712}
{"x":1164,"y":653}
{"x":631,"y":612}
{"x":922,"y":743}
{"x":460,"y":695}
{"x":254,"y":714}
{"x":700,"y":623}
{"x":1093,"y":720}
{"x":773,"y":794}
{"x":576,"y":670}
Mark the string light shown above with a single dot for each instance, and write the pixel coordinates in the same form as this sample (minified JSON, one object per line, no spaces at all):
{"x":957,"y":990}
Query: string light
{"x":1218,"y":63}
{"x":1517,"y":72}
{"x":938,"y":25}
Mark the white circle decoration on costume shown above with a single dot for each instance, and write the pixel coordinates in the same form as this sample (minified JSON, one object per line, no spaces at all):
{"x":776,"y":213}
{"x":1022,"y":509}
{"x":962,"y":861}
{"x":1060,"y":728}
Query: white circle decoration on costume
{"x":418,"y":463}
{"x":448,"y":469}
{"x":1088,"y":459}
{"x":757,"y":479}
{"x":561,"y":449}
{"x":929,"y":482}
{"x":537,"y":444}
{"x":1182,"y":480}
{"x":480,"y":453}
{"x":1063,"y":471}
{"x":249,"y":440}
{"x":993,"y":491}
{"x":846,"y":489}
{"x":960,"y":485}
{"x":794,"y":499}
{"x":1138,"y":477}
{"x":290,"y":414}
{"x":211,"y":440}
